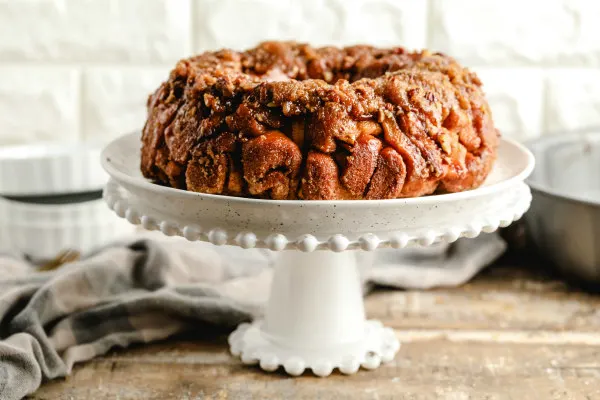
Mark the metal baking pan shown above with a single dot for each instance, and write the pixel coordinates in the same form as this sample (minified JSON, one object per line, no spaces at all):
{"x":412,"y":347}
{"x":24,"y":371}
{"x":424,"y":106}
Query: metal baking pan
{"x":564,"y":219}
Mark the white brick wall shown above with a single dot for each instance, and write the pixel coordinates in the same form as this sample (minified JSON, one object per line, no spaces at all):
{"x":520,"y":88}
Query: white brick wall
{"x":113,"y":98}
{"x":38,"y":103}
{"x":83,"y":68}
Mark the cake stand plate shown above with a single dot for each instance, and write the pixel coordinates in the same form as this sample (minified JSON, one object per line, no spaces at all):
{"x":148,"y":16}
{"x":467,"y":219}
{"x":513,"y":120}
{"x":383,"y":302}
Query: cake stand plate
{"x":315,"y":316}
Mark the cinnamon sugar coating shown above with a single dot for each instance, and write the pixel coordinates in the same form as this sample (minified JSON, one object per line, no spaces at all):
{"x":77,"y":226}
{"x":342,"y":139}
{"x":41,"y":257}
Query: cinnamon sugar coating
{"x":289,"y":121}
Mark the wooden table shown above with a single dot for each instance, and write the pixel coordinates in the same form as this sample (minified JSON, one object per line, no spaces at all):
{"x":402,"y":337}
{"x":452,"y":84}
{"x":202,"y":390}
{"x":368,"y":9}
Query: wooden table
{"x":512,"y":333}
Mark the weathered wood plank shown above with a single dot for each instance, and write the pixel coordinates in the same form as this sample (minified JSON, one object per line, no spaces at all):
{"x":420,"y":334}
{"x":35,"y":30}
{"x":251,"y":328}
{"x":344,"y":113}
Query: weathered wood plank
{"x":509,"y":334}
{"x":423,"y":370}
{"x":501,"y":299}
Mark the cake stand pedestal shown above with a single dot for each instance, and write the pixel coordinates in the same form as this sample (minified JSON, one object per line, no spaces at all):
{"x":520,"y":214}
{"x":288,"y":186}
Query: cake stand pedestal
{"x":315,"y":316}
{"x":315,"y":319}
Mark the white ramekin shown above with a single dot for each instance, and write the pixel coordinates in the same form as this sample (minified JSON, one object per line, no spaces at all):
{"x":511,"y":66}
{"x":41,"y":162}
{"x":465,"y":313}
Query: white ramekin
{"x":42,"y":231}
{"x":50,"y":169}
{"x":70,"y":176}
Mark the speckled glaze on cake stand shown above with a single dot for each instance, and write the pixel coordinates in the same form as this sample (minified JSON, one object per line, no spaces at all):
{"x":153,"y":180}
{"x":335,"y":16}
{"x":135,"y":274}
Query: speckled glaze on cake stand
{"x":315,"y":317}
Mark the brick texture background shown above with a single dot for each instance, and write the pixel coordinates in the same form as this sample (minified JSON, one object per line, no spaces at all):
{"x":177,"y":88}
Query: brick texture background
{"x":82,"y":69}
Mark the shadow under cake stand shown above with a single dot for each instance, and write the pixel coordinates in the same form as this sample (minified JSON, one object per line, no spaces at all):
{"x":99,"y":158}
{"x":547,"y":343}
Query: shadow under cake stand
{"x":315,"y":316}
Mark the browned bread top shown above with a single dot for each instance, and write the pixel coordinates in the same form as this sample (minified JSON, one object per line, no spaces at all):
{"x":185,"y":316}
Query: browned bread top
{"x":288,"y":121}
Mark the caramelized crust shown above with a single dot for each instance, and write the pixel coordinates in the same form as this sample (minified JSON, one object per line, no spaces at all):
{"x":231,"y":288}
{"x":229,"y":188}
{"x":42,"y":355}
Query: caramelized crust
{"x":288,"y":121}
{"x":271,"y":164}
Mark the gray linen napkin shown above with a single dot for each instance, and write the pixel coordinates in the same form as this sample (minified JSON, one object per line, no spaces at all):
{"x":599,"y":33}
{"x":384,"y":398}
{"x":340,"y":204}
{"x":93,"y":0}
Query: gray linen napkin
{"x":150,"y":288}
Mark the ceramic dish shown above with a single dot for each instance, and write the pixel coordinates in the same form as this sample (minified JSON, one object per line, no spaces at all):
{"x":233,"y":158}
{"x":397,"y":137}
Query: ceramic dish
{"x":564,"y":218}
{"x":45,"y":169}
{"x":502,"y":199}
{"x":41,"y":231}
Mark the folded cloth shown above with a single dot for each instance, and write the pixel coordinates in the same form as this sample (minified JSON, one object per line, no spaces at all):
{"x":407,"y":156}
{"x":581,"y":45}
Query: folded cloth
{"x":150,"y":288}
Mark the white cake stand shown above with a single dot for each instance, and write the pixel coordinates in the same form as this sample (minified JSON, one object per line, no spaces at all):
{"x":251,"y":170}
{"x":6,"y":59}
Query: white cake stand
{"x":315,"y":317}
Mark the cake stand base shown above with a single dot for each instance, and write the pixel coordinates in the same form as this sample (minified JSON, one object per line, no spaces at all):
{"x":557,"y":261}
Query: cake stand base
{"x":253,"y":346}
{"x":315,"y":319}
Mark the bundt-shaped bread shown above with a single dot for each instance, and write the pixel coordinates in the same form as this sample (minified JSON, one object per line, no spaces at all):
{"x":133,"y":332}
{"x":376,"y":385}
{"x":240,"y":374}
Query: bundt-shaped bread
{"x":289,"y":121}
